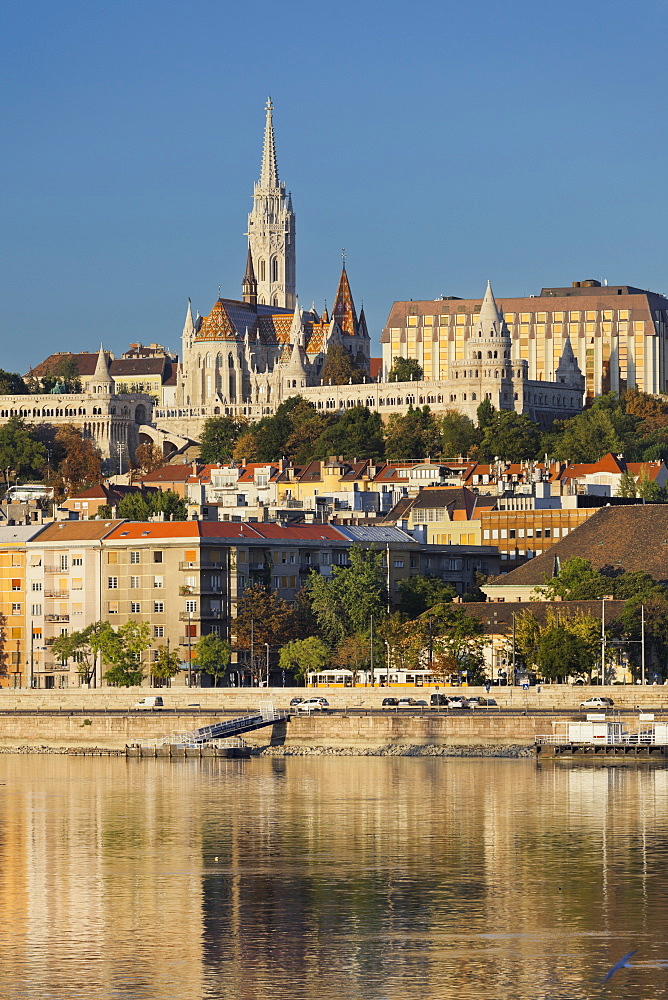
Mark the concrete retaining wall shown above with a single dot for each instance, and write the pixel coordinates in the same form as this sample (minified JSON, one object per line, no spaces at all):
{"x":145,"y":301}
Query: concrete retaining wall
{"x":114,"y":732}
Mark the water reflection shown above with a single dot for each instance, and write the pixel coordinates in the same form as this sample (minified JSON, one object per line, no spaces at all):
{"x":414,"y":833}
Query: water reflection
{"x":329,"y":877}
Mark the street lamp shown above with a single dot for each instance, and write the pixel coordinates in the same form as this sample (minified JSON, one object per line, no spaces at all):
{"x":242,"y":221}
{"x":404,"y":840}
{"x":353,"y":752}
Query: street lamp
{"x":267,"y":645}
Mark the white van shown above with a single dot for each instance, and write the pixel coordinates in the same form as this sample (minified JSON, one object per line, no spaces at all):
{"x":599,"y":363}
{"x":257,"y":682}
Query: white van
{"x":151,"y":703}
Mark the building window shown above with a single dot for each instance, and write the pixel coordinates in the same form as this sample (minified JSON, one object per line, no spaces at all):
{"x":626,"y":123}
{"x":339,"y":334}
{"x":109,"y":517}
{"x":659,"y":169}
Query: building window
{"x":36,"y":585}
{"x":191,"y":607}
{"x":63,"y":563}
{"x":112,"y":607}
{"x":112,"y":582}
{"x":398,"y":564}
{"x":135,"y":582}
{"x":77,"y":560}
{"x":134,"y":557}
{"x":135,"y":608}
{"x":36,"y":610}
{"x":112,"y":557}
{"x":157,"y":557}
{"x":158,"y":581}
{"x":158,"y":607}
{"x":158,"y":631}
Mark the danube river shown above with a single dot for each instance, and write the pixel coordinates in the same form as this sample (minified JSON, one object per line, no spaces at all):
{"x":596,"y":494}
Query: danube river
{"x":330,"y":878}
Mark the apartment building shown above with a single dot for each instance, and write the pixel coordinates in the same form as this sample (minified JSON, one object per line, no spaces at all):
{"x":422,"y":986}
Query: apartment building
{"x":64,"y":593}
{"x":15,"y":648}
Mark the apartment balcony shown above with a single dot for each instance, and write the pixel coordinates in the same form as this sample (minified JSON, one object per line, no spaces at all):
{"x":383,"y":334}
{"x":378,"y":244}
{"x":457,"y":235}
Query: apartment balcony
{"x":190,"y":565}
{"x":256,"y":567}
{"x":62,"y":595}
{"x":307,"y":567}
{"x":56,"y":618}
{"x":188,"y":616}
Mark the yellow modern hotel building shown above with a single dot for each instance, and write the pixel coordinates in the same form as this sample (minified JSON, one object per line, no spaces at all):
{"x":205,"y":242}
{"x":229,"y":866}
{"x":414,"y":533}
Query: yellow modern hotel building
{"x":618,"y":334}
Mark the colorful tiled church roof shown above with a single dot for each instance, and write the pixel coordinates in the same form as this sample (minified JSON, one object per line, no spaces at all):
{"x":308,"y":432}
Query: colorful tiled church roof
{"x":344,"y":308}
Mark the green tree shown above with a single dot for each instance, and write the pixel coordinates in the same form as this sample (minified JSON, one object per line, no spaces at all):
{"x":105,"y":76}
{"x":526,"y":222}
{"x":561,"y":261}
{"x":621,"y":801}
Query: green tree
{"x":11,"y":384}
{"x":485,"y":413}
{"x":511,"y":436}
{"x":121,"y":651}
{"x":212,"y":656}
{"x":577,"y":580}
{"x":339,"y":368}
{"x":421,"y":593}
{"x":20,"y":451}
{"x":414,"y":434}
{"x":459,"y":644}
{"x":405,"y":370}
{"x":82,"y":646}
{"x":358,"y":433}
{"x":307,"y":427}
{"x":343,"y":604}
{"x":218,"y":439}
{"x":166,"y":666}
{"x":271,"y":434}
{"x":142,"y":506}
{"x":585,"y":438}
{"x":304,"y":656}
{"x":628,"y":486}
{"x":459,"y":436}
{"x":562,"y":654}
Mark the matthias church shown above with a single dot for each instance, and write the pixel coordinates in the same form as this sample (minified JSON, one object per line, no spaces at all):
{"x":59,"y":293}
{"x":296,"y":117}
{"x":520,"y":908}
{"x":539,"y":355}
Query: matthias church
{"x":248,"y":354}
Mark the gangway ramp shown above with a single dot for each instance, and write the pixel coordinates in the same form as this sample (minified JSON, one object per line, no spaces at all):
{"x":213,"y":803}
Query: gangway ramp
{"x":266,"y":715}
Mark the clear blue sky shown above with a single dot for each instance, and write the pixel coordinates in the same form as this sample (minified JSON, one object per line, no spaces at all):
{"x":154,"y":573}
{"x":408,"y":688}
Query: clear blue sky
{"x":440,"y":143}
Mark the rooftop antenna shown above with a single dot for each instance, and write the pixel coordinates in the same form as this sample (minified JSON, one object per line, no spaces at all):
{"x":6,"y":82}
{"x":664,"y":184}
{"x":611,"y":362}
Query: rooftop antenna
{"x":343,"y":257}
{"x":218,"y":291}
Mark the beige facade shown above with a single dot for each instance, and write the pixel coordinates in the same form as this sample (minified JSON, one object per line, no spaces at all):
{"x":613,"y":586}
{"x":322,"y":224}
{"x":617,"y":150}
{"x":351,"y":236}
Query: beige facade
{"x":618,"y":334}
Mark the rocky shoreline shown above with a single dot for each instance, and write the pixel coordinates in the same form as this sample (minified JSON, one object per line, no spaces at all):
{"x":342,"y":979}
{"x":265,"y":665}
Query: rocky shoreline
{"x":515,"y":751}
{"x":397,"y":750}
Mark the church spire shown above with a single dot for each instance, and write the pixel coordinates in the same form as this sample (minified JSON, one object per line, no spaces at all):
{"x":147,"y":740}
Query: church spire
{"x":269,"y":171}
{"x":344,"y":308}
{"x":249,"y":284}
{"x":271,"y":229}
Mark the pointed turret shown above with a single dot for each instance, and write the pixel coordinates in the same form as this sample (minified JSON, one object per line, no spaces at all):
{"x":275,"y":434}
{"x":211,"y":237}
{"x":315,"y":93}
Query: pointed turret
{"x":101,"y":381}
{"x":362,"y":329}
{"x":296,"y":327}
{"x":188,"y":329}
{"x":249,"y":284}
{"x":269,"y":170}
{"x":490,"y":321}
{"x":344,"y":307}
{"x":568,"y":371}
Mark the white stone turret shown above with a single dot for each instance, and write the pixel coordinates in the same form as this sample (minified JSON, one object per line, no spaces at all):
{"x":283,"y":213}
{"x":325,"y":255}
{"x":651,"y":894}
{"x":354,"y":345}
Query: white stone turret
{"x":569,"y":372}
{"x":101,"y":383}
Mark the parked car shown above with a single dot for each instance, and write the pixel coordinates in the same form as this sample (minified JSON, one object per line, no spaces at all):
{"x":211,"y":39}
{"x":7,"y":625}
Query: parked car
{"x":313,"y":705}
{"x":295,"y":701}
{"x":458,"y":701}
{"x":438,"y":699}
{"x":151,"y":703}
{"x":483,"y":702}
{"x":406,"y":703}
{"x":597,"y":702}
{"x":390,"y":702}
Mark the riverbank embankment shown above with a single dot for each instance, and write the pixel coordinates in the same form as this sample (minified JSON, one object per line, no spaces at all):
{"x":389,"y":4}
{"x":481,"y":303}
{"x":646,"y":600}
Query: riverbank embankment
{"x":358,"y":732}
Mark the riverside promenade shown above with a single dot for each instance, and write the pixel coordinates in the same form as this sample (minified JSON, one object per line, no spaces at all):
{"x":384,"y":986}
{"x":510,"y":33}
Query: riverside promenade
{"x":104,"y":719}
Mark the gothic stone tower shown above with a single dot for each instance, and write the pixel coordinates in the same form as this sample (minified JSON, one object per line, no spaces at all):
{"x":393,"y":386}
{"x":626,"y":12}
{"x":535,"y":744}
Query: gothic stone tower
{"x":271,"y":229}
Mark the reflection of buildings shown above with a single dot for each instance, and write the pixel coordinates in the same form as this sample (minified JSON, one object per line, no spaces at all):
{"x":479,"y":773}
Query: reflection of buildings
{"x":325,"y":878}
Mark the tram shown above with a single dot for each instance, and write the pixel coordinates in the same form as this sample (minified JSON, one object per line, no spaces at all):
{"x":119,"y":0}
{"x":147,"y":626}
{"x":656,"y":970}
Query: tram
{"x":364,"y":678}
